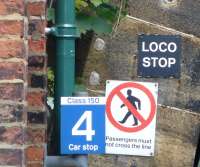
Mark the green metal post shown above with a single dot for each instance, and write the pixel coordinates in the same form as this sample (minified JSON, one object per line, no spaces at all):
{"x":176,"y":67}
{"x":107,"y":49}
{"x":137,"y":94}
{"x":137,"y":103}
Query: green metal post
{"x":65,"y":32}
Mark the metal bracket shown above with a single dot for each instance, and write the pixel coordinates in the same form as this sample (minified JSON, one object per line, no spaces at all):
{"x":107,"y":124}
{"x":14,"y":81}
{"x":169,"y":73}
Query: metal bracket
{"x":63,"y":31}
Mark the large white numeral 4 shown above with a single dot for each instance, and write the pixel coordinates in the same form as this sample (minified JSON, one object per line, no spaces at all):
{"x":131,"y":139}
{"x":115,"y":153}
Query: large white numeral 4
{"x":88,"y":132}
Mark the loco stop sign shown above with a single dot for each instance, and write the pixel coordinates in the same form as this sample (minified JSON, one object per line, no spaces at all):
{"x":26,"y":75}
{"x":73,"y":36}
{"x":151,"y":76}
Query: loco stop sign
{"x":131,"y":117}
{"x":159,"y":55}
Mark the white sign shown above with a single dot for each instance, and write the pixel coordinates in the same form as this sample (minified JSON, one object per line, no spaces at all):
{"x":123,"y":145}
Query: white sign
{"x":131,"y":117}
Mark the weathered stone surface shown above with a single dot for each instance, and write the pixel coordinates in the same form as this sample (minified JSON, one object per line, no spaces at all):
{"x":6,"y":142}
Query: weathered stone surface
{"x":121,"y":59}
{"x":86,"y":63}
{"x":177,"y":129}
{"x":176,"y":139}
{"x":182,"y":15}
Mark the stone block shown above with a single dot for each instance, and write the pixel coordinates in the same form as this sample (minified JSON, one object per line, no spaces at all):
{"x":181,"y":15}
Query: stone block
{"x":182,"y":15}
{"x":177,"y":136}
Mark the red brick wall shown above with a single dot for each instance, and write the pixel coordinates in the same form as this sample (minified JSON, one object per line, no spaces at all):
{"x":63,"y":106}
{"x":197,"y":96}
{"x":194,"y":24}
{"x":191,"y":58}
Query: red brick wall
{"x":22,"y":83}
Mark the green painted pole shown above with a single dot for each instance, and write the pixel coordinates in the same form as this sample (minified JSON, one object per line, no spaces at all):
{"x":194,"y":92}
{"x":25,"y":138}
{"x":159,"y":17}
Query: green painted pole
{"x":65,"y":32}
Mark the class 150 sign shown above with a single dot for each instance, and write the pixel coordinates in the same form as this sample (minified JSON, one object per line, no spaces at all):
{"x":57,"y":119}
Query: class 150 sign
{"x":159,"y":55}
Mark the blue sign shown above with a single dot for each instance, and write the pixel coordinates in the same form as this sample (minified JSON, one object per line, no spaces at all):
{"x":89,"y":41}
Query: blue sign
{"x":82,"y":125}
{"x":159,"y":55}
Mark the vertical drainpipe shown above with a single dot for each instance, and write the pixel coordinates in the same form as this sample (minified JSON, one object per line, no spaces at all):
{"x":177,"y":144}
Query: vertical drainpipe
{"x":65,"y":33}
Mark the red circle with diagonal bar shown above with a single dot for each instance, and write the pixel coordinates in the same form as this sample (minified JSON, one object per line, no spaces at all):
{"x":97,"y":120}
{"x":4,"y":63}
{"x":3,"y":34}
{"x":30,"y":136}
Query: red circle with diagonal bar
{"x":144,"y":122}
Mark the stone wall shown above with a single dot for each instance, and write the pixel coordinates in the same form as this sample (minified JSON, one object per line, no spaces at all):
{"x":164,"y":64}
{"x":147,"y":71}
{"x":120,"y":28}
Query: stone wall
{"x":22,"y":83}
{"x":178,"y":120}
{"x":122,"y":63}
{"x":175,"y":146}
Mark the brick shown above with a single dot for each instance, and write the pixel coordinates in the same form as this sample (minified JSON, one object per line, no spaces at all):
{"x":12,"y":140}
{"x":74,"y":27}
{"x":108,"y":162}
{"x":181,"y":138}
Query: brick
{"x":11,"y":135}
{"x":10,"y":7}
{"x":36,"y":28}
{"x":34,"y":165}
{"x":35,"y":136}
{"x":37,"y":46}
{"x":36,"y":99}
{"x":37,"y":81}
{"x":10,"y":157}
{"x":12,"y":70}
{"x":36,"y":8}
{"x":12,"y":48}
{"x":11,"y":113}
{"x":36,"y":117}
{"x":11,"y":27}
{"x":36,"y":63}
{"x":34,"y":153}
{"x":12,"y":91}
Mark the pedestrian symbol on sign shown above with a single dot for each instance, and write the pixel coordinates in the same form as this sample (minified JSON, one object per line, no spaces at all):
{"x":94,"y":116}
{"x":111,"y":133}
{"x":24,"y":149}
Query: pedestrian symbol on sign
{"x":131,"y":96}
{"x":134,"y":101}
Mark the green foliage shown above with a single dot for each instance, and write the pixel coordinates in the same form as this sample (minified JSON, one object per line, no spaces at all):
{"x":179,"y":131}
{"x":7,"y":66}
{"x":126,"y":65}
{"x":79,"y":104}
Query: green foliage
{"x":81,"y":4}
{"x":51,"y":15}
{"x":79,"y":86}
{"x":50,"y":84}
{"x":96,"y":15}
{"x":96,"y":2}
{"x":97,"y":24}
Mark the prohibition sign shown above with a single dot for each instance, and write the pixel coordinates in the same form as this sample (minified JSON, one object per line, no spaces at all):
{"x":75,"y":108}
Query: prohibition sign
{"x":117,"y":92}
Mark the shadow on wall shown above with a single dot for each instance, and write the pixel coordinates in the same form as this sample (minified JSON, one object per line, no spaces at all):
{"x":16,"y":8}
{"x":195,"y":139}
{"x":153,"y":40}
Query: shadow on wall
{"x":82,"y":49}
